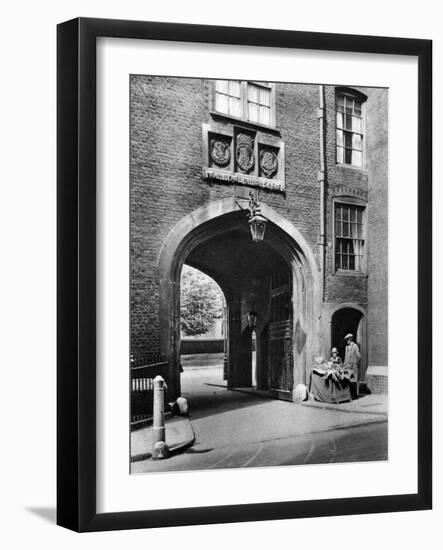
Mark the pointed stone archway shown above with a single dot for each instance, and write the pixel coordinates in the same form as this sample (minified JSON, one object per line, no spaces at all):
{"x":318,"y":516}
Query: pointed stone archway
{"x":215,"y":239}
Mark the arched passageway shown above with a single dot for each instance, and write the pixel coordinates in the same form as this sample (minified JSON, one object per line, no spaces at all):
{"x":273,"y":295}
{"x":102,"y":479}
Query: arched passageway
{"x":274,"y":279}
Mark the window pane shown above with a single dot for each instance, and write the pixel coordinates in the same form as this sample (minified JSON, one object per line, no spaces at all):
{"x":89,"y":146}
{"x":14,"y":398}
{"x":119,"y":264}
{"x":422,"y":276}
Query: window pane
{"x":338,"y":212}
{"x":337,"y":261}
{"x":234,"y":88}
{"x":265,"y":96}
{"x":340,"y":138}
{"x":357,"y":159}
{"x":357,"y":107}
{"x":348,"y":122}
{"x":234,"y":107}
{"x":339,"y":120}
{"x":338,"y":229}
{"x":264,"y":115}
{"x":357,"y":142}
{"x":348,"y":139}
{"x":253,"y":93}
{"x":348,"y":105}
{"x":221,"y":103}
{"x":253,"y":112}
{"x":348,"y":156}
{"x":351,"y":264}
{"x":354,"y":231}
{"x":356,"y":124}
{"x":346,"y":221}
{"x":222,"y":86}
{"x":340,"y":103}
{"x":360,"y":215}
{"x":340,"y":155}
{"x":344,"y":262}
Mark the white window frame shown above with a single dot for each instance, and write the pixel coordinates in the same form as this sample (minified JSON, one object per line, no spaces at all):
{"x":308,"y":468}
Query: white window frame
{"x":350,"y":201}
{"x":244,"y":103}
{"x":362,"y":99}
{"x":229,"y":96}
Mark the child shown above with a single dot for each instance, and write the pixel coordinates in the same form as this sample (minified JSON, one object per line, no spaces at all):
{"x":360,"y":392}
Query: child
{"x":335,"y":359}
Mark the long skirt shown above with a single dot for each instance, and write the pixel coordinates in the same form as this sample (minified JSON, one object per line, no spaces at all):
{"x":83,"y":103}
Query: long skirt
{"x":327,"y":390}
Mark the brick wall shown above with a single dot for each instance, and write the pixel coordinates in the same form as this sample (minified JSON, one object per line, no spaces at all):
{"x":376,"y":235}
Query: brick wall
{"x":166,"y":183}
{"x":340,"y":287}
{"x":166,"y":180}
{"x":377,"y":117}
{"x":377,"y":384}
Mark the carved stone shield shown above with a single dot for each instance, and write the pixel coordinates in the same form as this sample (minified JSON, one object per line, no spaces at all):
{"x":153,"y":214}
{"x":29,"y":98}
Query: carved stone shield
{"x":244,"y":153}
{"x":268,"y":163}
{"x":220,"y":152}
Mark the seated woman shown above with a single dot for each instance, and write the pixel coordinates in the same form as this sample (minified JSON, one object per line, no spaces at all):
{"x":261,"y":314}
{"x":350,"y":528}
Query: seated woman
{"x":335,"y":358}
{"x":330,"y":384}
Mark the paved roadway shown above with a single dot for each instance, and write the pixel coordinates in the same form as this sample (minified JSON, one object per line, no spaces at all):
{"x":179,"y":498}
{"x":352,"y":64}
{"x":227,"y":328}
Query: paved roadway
{"x":356,"y":444}
{"x":234,"y":430}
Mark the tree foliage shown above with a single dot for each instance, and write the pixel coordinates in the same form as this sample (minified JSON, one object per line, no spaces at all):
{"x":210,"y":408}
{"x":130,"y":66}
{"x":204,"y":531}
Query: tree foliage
{"x":201,"y":301}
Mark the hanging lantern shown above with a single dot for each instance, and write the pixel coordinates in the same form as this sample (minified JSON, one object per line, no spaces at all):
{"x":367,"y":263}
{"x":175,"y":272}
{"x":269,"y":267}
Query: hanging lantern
{"x":257,"y":224}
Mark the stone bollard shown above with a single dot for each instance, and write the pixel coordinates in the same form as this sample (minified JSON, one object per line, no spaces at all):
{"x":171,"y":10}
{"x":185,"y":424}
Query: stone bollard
{"x":159,"y":447}
{"x":300,"y":393}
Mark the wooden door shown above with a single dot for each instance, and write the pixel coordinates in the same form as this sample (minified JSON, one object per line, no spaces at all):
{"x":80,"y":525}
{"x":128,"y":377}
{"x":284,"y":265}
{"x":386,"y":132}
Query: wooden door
{"x":280,"y":337}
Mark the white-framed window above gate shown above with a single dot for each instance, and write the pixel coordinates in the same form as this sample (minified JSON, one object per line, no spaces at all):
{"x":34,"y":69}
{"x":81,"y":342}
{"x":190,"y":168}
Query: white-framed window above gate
{"x":350,"y":239}
{"x":350,"y":106}
{"x":250,"y":101}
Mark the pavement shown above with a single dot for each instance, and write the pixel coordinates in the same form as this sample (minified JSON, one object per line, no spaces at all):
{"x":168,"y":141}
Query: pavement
{"x":365,"y":404}
{"x":221,"y":420}
{"x":179,"y":436}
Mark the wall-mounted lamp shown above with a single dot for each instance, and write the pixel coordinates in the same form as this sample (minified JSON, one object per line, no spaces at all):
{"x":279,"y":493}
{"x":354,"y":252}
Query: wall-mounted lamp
{"x":252,"y":319}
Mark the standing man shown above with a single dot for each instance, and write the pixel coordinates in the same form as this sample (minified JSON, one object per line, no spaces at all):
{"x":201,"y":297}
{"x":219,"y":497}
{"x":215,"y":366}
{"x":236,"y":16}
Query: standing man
{"x":352,"y":358}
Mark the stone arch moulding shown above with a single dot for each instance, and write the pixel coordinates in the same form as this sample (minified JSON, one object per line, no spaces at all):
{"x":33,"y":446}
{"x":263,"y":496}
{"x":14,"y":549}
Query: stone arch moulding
{"x":190,"y":231}
{"x":346,"y":305}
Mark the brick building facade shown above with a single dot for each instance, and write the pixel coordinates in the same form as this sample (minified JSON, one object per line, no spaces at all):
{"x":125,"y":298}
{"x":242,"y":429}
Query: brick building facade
{"x":315,"y":157}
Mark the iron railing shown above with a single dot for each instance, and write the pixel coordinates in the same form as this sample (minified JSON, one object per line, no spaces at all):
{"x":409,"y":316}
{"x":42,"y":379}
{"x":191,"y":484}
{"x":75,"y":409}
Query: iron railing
{"x":143,"y":371}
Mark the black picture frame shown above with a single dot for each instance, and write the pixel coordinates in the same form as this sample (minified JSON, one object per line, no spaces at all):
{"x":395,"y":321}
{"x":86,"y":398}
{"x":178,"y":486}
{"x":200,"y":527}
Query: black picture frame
{"x":76,"y":294}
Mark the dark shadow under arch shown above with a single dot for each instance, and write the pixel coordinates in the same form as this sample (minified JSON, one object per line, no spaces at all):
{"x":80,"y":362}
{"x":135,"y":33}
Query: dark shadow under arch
{"x":350,"y":319}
